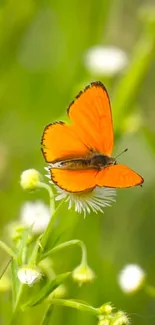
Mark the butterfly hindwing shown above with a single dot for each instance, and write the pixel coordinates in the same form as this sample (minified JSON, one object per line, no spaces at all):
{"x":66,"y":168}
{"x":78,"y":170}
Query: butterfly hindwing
{"x":74,"y":180}
{"x":118,"y":176}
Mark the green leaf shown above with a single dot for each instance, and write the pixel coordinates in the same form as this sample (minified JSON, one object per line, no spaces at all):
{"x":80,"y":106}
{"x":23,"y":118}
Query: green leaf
{"x":47,"y":317}
{"x":47,"y":289}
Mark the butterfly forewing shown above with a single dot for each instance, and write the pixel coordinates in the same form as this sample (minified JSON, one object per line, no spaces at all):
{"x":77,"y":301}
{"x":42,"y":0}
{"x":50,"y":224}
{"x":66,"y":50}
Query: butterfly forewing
{"x":60,"y":142}
{"x":91,"y":118}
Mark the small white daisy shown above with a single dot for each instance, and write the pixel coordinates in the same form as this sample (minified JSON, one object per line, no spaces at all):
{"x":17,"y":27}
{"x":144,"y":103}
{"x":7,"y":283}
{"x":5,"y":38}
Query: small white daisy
{"x":105,"y":60}
{"x":85,"y":202}
{"x":35,"y":215}
{"x":95,"y":200}
{"x":131,"y":278}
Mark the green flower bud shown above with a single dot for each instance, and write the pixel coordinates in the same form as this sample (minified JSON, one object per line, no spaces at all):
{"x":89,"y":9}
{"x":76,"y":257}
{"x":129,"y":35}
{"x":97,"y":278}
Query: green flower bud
{"x":30,"y":179}
{"x":83,"y":274}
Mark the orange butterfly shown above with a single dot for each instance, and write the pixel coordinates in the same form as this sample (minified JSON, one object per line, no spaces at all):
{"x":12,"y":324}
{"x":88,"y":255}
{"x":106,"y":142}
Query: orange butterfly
{"x":80,"y":154}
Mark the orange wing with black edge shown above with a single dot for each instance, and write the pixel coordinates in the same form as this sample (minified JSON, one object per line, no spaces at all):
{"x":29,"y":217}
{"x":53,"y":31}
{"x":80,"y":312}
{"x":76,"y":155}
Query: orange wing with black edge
{"x":59,"y":141}
{"x":74,"y":180}
{"x":90,"y":114}
{"x":118,"y":176}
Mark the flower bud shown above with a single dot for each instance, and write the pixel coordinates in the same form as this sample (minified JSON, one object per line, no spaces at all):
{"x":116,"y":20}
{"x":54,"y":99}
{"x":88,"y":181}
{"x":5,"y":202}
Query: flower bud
{"x":120,"y":319}
{"x":103,"y":320}
{"x":83,"y":274}
{"x":30,"y":179}
{"x":106,"y":309}
{"x":29,"y":275}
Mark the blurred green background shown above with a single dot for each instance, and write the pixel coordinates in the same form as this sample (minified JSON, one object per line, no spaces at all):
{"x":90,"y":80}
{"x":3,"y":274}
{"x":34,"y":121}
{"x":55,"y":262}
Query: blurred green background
{"x":42,"y":68}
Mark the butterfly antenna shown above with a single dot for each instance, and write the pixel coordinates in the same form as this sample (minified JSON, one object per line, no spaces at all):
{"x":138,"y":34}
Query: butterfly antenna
{"x":121,"y":153}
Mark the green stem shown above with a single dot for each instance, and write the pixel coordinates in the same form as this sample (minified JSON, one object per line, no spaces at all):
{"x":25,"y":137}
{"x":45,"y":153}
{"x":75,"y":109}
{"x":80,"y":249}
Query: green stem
{"x":8,"y":250}
{"x":35,"y":253}
{"x":84,"y":253}
{"x":49,"y":228}
{"x":67,"y":244}
{"x":5,"y":268}
{"x":47,"y":317}
{"x":17,"y":303}
{"x":75,"y":304}
{"x":51,"y":195}
{"x":22,"y":248}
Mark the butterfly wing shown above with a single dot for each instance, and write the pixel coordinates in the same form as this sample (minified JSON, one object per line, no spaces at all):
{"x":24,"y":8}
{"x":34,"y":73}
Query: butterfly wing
{"x":74,"y":180}
{"x":59,"y":142}
{"x":118,"y":176}
{"x":91,"y":118}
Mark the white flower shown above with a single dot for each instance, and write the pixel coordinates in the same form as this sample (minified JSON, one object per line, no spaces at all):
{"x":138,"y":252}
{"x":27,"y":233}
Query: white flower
{"x":131,"y":278}
{"x":105,"y":60}
{"x":28,"y":275}
{"x":36,"y":215}
{"x":95,"y":200}
{"x":85,"y":202}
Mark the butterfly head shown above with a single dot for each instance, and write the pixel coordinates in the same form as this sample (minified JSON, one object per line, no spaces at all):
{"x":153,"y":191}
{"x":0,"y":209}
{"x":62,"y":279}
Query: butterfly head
{"x":102,"y":161}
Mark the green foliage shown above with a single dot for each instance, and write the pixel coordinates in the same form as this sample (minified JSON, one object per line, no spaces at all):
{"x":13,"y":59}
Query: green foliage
{"x":42,"y":45}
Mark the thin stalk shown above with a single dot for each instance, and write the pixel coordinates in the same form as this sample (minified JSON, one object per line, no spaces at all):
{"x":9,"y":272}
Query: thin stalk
{"x":49,"y":228}
{"x":68,"y":244}
{"x":8,"y":250}
{"x":51,"y":195}
{"x":75,"y":304}
{"x":5,"y":268}
{"x":47,"y":317}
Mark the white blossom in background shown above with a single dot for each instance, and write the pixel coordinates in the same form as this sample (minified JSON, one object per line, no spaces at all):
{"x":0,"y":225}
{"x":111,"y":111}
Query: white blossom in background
{"x":35,"y":215}
{"x":131,"y":278}
{"x":105,"y":60}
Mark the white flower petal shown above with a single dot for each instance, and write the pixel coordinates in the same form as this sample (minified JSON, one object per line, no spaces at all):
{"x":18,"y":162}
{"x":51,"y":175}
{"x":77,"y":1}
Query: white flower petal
{"x":28,"y":275}
{"x":86,"y":202}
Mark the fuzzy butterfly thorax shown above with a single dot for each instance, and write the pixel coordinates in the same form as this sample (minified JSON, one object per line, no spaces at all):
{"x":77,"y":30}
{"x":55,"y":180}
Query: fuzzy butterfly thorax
{"x":97,"y":161}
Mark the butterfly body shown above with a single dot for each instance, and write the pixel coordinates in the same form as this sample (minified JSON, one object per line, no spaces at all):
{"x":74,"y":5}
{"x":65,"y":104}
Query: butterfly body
{"x":97,"y":161}
{"x":79,"y":154}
